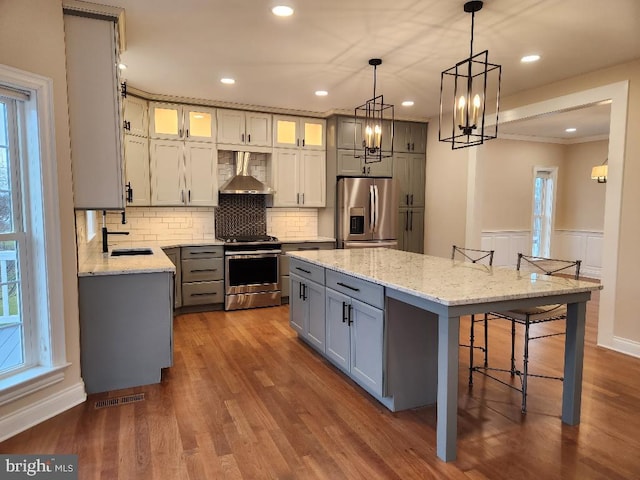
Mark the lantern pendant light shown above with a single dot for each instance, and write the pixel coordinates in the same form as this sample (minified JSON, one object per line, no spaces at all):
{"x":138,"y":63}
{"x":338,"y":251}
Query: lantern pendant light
{"x":376,"y":120}
{"x":468,"y":88}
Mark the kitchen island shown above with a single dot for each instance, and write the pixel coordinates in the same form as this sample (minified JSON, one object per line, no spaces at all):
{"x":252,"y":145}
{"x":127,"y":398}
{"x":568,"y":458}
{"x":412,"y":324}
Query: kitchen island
{"x":437,"y":291}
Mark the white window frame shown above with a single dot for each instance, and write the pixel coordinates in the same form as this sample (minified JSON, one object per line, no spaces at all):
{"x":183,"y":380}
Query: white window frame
{"x":47,"y":355}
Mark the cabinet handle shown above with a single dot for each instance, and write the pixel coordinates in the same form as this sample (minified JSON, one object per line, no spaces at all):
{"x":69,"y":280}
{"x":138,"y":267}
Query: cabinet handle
{"x":189,"y":195}
{"x":127,"y":125}
{"x":347,"y":286}
{"x":297,"y":199}
{"x":297,"y":142}
{"x":406,"y":221}
{"x":301,"y":249}
{"x":300,"y":290}
{"x":129,"y":191}
{"x":180,"y":132}
{"x":181,"y":196}
{"x":302,"y":194}
{"x":349,"y":320}
{"x":204,"y":253}
{"x":412,"y":199}
{"x":413,"y":147}
{"x":344,"y":314}
{"x":408,"y":146}
{"x":303,"y":270}
{"x":187,"y":132}
{"x":203,"y":270}
{"x":249,"y":138}
{"x":364,"y":170}
{"x":303,"y":142}
{"x":304,"y":292}
{"x":411,"y":224}
{"x":368,"y":170}
{"x":201,"y":294}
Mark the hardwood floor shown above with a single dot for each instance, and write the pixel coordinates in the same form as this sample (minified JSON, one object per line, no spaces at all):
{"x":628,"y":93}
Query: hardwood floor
{"x":247,"y":400}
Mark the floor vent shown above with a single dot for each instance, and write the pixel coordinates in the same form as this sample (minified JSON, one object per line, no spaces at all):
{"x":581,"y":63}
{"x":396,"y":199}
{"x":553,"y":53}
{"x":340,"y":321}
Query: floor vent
{"x":114,"y":402}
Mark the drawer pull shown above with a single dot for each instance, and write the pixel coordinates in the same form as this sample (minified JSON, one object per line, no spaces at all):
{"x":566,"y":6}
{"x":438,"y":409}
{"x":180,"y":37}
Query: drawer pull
{"x":349,"y":287}
{"x":302,"y":249}
{"x":202,"y":294}
{"x":204,"y":253}
{"x":204,"y":270}
{"x":303,"y":270}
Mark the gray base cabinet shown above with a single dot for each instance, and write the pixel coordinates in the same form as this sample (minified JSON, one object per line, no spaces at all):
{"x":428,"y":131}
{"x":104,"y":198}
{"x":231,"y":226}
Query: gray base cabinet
{"x":389,"y":348}
{"x":284,"y":261}
{"x":307,"y":310}
{"x":126,"y":329}
{"x":202,"y":270}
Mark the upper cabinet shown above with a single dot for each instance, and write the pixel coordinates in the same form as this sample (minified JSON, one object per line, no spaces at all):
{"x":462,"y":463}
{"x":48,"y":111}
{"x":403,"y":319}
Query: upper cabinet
{"x":410,"y":137}
{"x":299,"y":178}
{"x":246,"y":129}
{"x":136,"y":167}
{"x":136,"y":116}
{"x":298,"y":132}
{"x":181,"y":122}
{"x":95,"y":121}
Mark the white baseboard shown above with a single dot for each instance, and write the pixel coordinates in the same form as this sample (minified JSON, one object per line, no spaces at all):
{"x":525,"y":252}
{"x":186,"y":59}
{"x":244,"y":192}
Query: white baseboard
{"x":31,"y":415}
{"x":625,"y":346}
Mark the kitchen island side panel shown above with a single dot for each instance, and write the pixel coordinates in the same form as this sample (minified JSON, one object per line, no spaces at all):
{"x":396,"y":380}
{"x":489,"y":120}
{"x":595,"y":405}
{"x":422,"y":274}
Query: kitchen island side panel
{"x":125,"y":329}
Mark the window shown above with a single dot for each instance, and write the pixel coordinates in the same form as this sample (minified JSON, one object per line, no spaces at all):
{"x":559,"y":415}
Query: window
{"x":32,"y":333}
{"x":543,"y":203}
{"x":15,"y":331}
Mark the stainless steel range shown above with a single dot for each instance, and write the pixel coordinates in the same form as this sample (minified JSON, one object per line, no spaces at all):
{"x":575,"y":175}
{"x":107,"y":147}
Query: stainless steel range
{"x":252,"y":271}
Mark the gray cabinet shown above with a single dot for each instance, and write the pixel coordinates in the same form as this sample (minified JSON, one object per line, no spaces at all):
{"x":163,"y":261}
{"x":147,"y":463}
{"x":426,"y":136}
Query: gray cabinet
{"x":410,"y":137}
{"x":306,"y":311}
{"x":202,"y":270}
{"x":95,"y":121}
{"x":411,"y":229}
{"x":174,"y":256}
{"x":126,"y":329}
{"x":355,"y":328}
{"x":347,"y":130}
{"x":409,"y":172}
{"x":285,"y":259}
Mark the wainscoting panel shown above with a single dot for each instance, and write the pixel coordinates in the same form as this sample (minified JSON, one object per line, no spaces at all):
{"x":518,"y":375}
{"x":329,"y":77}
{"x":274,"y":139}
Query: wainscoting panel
{"x":506,"y":245}
{"x":566,"y":244}
{"x":580,"y":245}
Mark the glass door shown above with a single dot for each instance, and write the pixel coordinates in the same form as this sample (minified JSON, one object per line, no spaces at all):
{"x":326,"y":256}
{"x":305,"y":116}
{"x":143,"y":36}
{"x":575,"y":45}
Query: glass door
{"x":543,"y":207}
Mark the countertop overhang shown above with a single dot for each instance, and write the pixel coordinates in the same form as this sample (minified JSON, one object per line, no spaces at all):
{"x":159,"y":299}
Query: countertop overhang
{"x":441,"y":280}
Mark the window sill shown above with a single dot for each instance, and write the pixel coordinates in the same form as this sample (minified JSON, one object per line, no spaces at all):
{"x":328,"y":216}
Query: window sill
{"x":30,"y":381}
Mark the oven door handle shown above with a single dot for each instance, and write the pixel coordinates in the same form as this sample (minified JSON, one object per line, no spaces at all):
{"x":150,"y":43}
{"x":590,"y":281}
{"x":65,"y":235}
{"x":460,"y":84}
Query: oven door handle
{"x":252,"y":253}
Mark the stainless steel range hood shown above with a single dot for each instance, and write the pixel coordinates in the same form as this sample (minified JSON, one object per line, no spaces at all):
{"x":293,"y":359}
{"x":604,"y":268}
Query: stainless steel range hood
{"x":242,"y":182}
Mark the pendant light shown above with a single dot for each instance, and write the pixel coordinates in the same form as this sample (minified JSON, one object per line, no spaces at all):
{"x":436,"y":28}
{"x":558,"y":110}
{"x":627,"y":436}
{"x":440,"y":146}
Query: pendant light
{"x":468,"y":88}
{"x":376,"y":120}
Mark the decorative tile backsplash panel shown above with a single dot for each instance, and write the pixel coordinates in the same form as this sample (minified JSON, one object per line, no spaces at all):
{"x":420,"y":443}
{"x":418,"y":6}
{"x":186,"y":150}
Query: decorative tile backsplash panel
{"x":241,"y":215}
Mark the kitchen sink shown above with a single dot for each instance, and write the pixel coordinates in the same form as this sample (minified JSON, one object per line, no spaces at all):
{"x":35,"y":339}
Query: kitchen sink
{"x":120,"y":252}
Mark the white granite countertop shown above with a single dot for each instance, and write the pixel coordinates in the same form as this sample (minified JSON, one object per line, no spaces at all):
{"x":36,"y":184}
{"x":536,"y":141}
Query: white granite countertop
{"x":94,"y":262}
{"x":91,"y":260}
{"x":442,"y":280}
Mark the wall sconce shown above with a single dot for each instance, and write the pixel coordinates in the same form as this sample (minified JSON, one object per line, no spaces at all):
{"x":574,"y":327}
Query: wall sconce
{"x":599,"y":172}
{"x":468,"y":87}
{"x":371,"y":115}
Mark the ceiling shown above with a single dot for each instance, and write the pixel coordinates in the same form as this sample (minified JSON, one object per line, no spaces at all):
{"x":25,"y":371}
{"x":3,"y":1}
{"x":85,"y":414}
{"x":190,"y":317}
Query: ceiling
{"x":183,"y":48}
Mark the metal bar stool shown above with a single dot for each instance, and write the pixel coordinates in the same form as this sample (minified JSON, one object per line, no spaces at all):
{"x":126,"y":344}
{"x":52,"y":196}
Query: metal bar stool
{"x":475,"y":256}
{"x":529,"y":317}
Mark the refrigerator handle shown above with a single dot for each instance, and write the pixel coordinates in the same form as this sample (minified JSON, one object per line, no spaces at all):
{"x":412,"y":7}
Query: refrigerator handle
{"x":377,"y":213}
{"x":372,"y":203}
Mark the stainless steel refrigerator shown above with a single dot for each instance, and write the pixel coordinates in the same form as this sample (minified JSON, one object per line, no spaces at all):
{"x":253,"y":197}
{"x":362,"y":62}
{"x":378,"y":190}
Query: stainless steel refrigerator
{"x":367,"y":213}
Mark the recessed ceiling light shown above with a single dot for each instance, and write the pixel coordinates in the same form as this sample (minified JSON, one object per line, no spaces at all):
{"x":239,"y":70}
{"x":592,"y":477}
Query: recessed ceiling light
{"x":322,"y":93}
{"x":282,"y":11}
{"x":228,"y":81}
{"x":530,"y":58}
{"x":570,"y":130}
{"x":122,"y":66}
{"x":407,"y":103}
